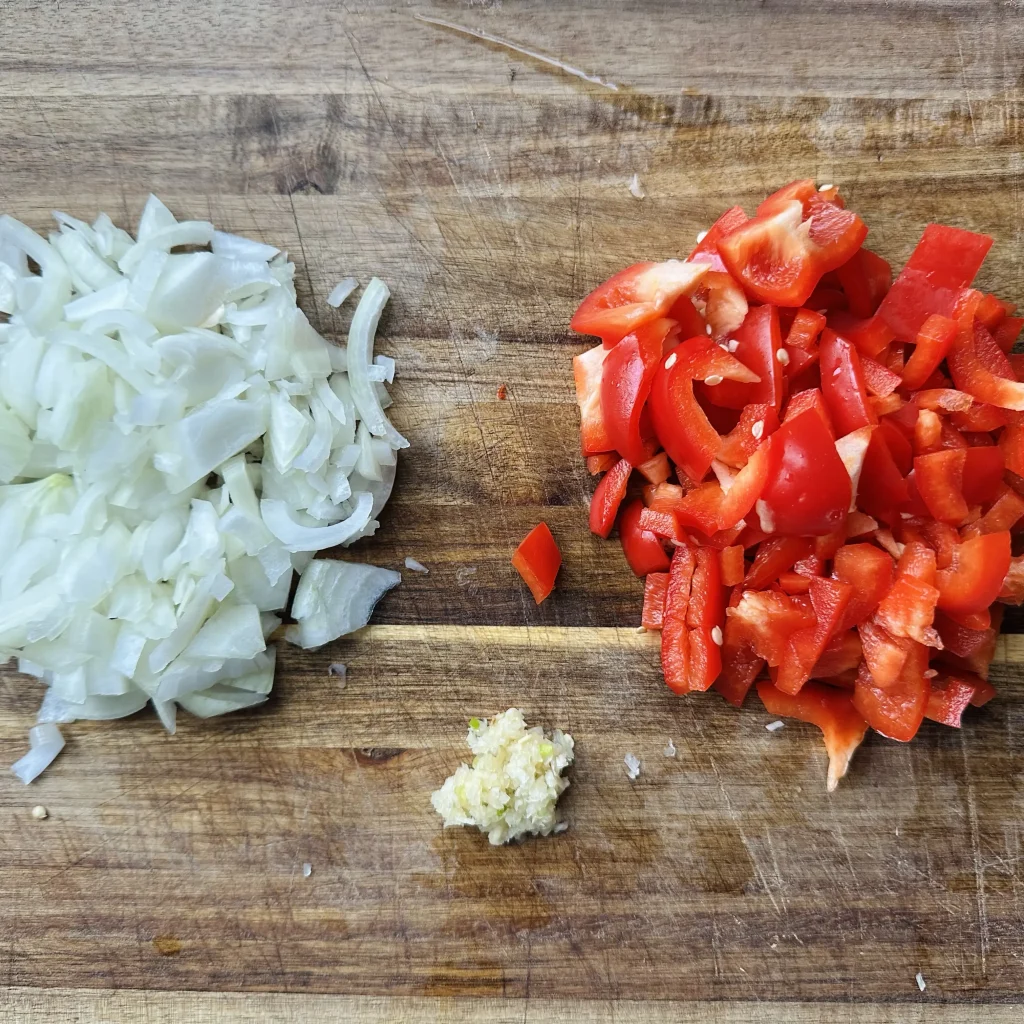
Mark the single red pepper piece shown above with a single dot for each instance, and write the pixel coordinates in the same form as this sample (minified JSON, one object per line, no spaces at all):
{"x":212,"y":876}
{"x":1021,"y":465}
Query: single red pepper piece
{"x":943,"y":264}
{"x":939,"y":478}
{"x":895,"y":710}
{"x":707,"y":248}
{"x":680,"y":424}
{"x":733,"y":565}
{"x":842,"y":384}
{"x":537,"y":560}
{"x":810,"y":399}
{"x":829,"y":600}
{"x":700,"y":509}
{"x":983,"y":475}
{"x":675,"y":641}
{"x":634,"y":297}
{"x":641,"y":547}
{"x":794,"y":583}
{"x":1007,"y":332}
{"x":626,"y":378}
{"x":943,"y":539}
{"x":1011,"y":443}
{"x":740,"y":666}
{"x":808,"y":489}
{"x":870,"y":337}
{"x":775,"y":556}
{"x":604,"y":505}
{"x":960,"y":640}
{"x":879,"y":379}
{"x":842,"y":654}
{"x":586,"y":369}
{"x":1006,"y":511}
{"x":705,"y":618}
{"x":975,"y":578}
{"x":655,"y":588}
{"x":982,"y":648}
{"x":980,"y":417}
{"x":881,"y":489}
{"x":971,"y":375}
{"x":804,"y":330}
{"x":991,"y":311}
{"x":724,"y":303}
{"x":1012,"y":590}
{"x":765,"y":620}
{"x":661,"y":524}
{"x":865,"y":278}
{"x":747,"y":487}
{"x":758,"y":341}
{"x":952,"y":693}
{"x":597,"y":464}
{"x":831,"y":710}
{"x":869,"y":571}
{"x":933,"y":340}
{"x":656,"y":470}
{"x":779,"y":261}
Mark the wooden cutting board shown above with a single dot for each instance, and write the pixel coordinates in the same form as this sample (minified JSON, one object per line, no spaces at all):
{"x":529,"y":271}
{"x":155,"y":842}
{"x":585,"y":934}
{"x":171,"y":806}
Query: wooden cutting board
{"x":490,"y":191}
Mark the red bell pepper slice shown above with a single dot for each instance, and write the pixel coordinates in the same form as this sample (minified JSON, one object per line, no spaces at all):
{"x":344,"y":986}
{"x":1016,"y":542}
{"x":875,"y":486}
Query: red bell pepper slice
{"x":943,"y":538}
{"x":779,"y":261}
{"x":1007,"y":332}
{"x":724,"y":303}
{"x":943,"y":264}
{"x":884,"y":654}
{"x":879,"y":379}
{"x":604,"y":505}
{"x":641,"y":547}
{"x":740,"y":665}
{"x":810,"y":399}
{"x":939,"y":478}
{"x":869,"y":571}
{"x":1006,"y":512}
{"x":597,"y":464}
{"x":775,"y":556}
{"x":808,"y":489}
{"x":961,"y":640}
{"x":831,"y":710}
{"x":1011,"y":443}
{"x":626,"y":379}
{"x":634,"y":297}
{"x":758,"y":341}
{"x":933,"y":340}
{"x":675,"y":643}
{"x":991,"y":311}
{"x":586,"y":369}
{"x":952,"y":694}
{"x":829,"y":600}
{"x":980,"y":417}
{"x":705,"y":618}
{"x":908,"y":610}
{"x":747,"y":487}
{"x":655,"y":470}
{"x":991,"y":355}
{"x":537,"y":560}
{"x":896,"y":710}
{"x":662,"y":524}
{"x":865,"y":279}
{"x":794,"y":583}
{"x":804,"y":330}
{"x":842,"y":654}
{"x":975,"y":578}
{"x":971,"y":375}
{"x":706,"y":250}
{"x":680,"y":424}
{"x":733,"y":566}
{"x":982,"y":647}
{"x":756,"y":424}
{"x":655,"y":588}
{"x":842,"y":384}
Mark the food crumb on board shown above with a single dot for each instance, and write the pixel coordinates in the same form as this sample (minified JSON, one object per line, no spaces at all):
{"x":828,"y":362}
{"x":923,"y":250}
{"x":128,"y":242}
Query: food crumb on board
{"x":920,"y":981}
{"x":775,"y":726}
{"x":307,"y":869}
{"x":636,"y":189}
{"x":414,"y":566}
{"x":670,"y":749}
{"x":39,"y":812}
{"x":338,"y":671}
{"x":502,"y":393}
{"x":632,"y":766}
{"x":515,"y":780}
{"x":465,"y":574}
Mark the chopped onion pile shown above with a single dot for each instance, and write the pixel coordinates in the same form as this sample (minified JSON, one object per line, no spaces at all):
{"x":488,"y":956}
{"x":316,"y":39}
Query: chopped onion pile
{"x":176,"y":441}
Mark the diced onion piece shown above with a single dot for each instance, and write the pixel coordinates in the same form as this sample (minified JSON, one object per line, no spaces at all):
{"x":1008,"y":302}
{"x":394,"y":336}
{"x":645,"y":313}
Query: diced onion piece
{"x":45,"y":743}
{"x":341,"y":291}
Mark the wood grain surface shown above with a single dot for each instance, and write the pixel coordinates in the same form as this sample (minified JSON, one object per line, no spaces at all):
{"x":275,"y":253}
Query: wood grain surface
{"x":490,"y":191}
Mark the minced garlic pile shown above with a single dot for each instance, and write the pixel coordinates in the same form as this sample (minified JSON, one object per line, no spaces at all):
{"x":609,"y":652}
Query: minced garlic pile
{"x":514,"y":783}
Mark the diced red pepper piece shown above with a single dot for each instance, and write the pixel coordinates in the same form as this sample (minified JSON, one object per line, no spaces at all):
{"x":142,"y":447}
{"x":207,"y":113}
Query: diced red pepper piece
{"x":983,"y":475}
{"x":586,"y":369}
{"x":869,"y":570}
{"x":870,"y":337}
{"x":879,"y":379}
{"x":747,"y":487}
{"x":881,"y":489}
{"x":829,"y":600}
{"x":951,"y":695}
{"x":842,"y":654}
{"x":842,"y":384}
{"x":831,"y":710}
{"x":808,"y":489}
{"x":943,"y":264}
{"x":979,"y":646}
{"x":775,"y":556}
{"x":537,"y":560}
{"x":1007,"y":332}
{"x":810,"y":399}
{"x":908,"y":610}
{"x":597,"y":464}
{"x":971,"y":375}
{"x":655,"y":588}
{"x":975,"y":578}
{"x":724,"y":303}
{"x":804,"y":330}
{"x":756,"y":424}
{"x":939,"y":478}
{"x":794,"y":583}
{"x":943,"y":539}
{"x":1011,"y":443}
{"x":865,"y":278}
{"x":733,"y":565}
{"x":758,"y":341}
{"x":896,"y":710}
{"x":765,"y":619}
{"x":701,"y":509}
{"x":634,"y":297}
{"x":1006,"y":511}
{"x":705,"y":618}
{"x":933,"y":340}
{"x":980,"y":417}
{"x":641,"y":547}
{"x":656,"y":470}
{"x":1012,"y":590}
{"x":958,"y":639}
{"x":740,"y":665}
{"x":661,"y":524}
{"x":675,"y":642}
{"x":604,"y":505}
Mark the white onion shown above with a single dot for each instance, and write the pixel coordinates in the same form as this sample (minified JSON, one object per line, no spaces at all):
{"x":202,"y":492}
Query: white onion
{"x":145,"y":547}
{"x":341,"y":291}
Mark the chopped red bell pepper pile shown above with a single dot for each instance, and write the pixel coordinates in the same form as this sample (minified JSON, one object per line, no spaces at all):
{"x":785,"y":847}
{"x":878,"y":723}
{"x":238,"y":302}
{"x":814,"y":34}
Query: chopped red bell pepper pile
{"x":831,"y":465}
